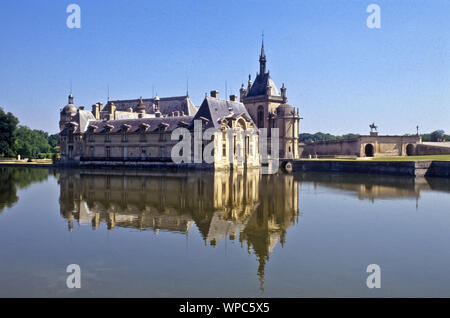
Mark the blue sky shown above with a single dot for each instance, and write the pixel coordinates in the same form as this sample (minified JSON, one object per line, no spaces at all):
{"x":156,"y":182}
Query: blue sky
{"x":341,"y":74}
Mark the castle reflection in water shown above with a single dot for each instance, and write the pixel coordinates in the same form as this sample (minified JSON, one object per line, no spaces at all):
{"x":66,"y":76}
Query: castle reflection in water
{"x":248,"y":207}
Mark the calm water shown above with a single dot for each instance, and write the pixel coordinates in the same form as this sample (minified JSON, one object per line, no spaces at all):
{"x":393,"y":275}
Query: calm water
{"x":226,"y":235}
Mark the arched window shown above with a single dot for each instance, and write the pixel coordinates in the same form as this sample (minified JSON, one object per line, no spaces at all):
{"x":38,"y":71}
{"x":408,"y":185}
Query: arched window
{"x":261,"y":117}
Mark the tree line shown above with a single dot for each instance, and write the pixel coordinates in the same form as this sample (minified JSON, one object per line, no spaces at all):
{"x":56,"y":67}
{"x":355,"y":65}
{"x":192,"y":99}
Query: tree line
{"x":21,"y":140}
{"x":437,"y":135}
{"x":319,"y":136}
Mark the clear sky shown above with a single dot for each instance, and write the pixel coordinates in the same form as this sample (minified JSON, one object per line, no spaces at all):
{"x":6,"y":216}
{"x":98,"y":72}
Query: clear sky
{"x":341,"y":74}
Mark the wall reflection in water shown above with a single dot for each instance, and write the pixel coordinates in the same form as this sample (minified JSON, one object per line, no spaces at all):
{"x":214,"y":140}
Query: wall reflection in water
{"x":376,"y":187}
{"x":246,"y":207}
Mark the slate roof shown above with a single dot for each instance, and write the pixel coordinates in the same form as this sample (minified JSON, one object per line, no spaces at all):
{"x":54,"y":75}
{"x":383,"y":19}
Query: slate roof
{"x":167,"y":105}
{"x":259,"y":86}
{"x":82,"y":119}
{"x":154,"y":123}
{"x":216,"y":109}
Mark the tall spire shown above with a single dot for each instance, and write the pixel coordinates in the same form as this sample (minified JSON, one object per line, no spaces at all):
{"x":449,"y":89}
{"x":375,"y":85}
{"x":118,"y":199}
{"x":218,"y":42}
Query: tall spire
{"x":262,"y":58}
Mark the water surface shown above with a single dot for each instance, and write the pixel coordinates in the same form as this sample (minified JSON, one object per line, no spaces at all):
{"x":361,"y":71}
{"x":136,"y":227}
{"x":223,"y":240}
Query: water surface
{"x":150,"y":234}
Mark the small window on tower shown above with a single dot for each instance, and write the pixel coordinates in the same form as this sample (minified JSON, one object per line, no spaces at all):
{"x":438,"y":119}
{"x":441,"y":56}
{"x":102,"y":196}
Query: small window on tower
{"x":260,"y":116}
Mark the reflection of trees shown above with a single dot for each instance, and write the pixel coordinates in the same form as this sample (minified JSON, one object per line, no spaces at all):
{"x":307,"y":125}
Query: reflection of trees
{"x":247,"y":207}
{"x":12,"y":179}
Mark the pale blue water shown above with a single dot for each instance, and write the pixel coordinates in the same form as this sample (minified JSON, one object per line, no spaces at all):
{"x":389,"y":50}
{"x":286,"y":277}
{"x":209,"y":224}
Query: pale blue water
{"x":208,"y":235}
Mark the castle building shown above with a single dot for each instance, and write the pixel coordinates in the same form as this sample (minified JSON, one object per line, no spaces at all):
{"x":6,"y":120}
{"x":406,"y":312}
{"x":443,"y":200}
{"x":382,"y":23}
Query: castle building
{"x":139,"y":132}
{"x":269,"y":109}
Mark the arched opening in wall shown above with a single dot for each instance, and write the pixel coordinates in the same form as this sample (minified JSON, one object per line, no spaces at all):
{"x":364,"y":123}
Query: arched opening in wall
{"x":368,"y":150}
{"x":410,"y":150}
{"x":260,"y":117}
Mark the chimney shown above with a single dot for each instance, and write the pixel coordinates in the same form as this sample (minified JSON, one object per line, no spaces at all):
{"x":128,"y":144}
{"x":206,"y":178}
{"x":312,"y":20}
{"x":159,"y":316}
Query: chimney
{"x":215,"y":94}
{"x":112,"y":111}
{"x":96,"y":111}
{"x":81,"y":107}
{"x":283,"y":94}
{"x":233,"y":98}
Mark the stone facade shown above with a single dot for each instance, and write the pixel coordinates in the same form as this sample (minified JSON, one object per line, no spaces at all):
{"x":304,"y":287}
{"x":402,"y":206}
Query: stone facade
{"x":269,"y":109}
{"x":139,"y":130}
{"x":105,"y":136}
{"x":364,"y":146}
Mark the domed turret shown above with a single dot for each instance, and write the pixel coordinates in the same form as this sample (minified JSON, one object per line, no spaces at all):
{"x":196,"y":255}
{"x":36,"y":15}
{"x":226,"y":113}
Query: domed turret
{"x":70,"y":108}
{"x":285,"y":110}
{"x":67,"y":113}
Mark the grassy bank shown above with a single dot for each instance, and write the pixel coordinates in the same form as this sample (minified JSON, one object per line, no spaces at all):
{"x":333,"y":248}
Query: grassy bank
{"x":414,"y":158}
{"x":406,"y":158}
{"x":25,"y":162}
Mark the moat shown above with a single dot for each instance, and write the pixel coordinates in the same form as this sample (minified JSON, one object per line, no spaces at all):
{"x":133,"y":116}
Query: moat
{"x":217,"y":234}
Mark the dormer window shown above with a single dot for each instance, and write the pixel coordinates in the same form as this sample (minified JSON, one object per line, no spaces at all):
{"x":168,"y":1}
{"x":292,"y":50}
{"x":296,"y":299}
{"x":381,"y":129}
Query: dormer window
{"x":162,"y":131}
{"x":142,"y":132}
{"x":124,"y":130}
{"x":91,"y":134}
{"x":108,"y":129}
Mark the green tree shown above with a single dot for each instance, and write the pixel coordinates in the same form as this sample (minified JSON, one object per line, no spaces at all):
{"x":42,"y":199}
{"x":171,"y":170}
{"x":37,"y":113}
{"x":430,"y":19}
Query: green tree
{"x":8,"y":126}
{"x":437,"y":135}
{"x":53,"y":141}
{"x":319,"y":136}
{"x":30,"y":143}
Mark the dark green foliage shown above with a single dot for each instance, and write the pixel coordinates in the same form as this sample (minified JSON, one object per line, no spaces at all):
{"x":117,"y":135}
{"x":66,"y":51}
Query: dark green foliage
{"x":8,"y":125}
{"x":21,"y":140}
{"x":30,"y":143}
{"x":53,"y":141}
{"x":437,"y":135}
{"x":319,"y":136}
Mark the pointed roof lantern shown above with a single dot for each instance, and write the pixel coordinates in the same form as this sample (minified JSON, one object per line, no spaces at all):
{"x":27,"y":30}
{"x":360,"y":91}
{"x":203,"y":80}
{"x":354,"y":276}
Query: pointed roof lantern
{"x":262,"y":59}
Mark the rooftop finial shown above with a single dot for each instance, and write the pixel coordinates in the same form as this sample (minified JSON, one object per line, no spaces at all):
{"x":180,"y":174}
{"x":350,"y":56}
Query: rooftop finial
{"x":262,"y":46}
{"x":262,"y":58}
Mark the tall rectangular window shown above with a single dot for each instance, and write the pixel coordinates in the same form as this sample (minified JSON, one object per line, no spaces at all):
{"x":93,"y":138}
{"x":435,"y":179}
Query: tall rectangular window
{"x":108,"y":152}
{"x":142,"y":136}
{"x":124,"y":136}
